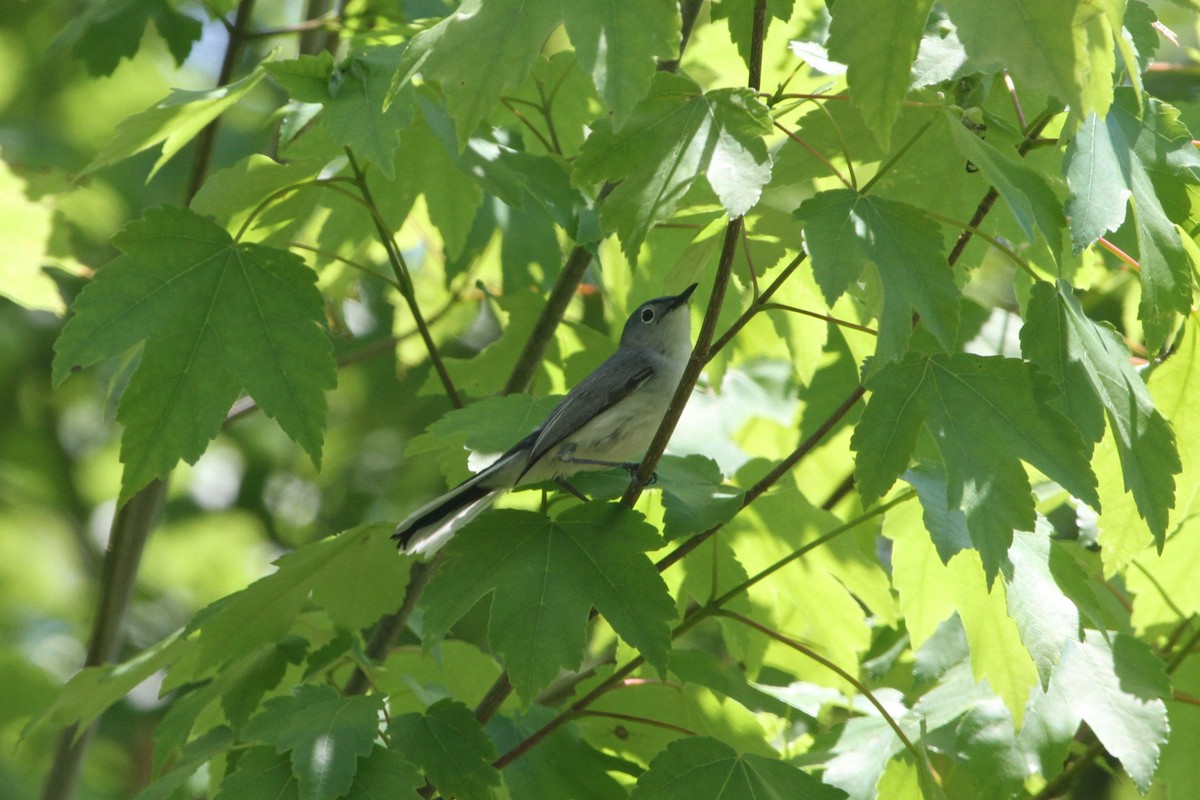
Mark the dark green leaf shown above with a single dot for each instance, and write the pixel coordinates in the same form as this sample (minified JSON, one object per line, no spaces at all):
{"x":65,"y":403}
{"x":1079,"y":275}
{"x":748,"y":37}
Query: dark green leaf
{"x":385,"y":775}
{"x":447,"y":743}
{"x":546,"y":574}
{"x":694,"y":495}
{"x":878,"y":43}
{"x":215,"y":316}
{"x":562,"y":767}
{"x":111,"y":30}
{"x":703,"y":767}
{"x":1010,"y":421}
{"x":844,"y":231}
{"x":261,"y":774}
{"x":675,"y":135}
{"x":1090,"y":363}
{"x":325,"y":733}
{"x":1142,"y":158}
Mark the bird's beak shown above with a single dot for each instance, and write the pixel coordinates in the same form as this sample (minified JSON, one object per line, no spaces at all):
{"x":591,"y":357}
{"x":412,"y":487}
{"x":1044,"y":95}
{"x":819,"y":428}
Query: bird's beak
{"x":682,"y":298}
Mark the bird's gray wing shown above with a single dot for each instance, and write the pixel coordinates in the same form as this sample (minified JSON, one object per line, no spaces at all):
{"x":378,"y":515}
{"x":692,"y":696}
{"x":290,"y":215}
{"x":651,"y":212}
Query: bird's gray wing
{"x":611,"y":382}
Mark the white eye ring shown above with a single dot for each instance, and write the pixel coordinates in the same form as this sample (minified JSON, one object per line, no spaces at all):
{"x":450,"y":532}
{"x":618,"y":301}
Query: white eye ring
{"x":647,"y":315}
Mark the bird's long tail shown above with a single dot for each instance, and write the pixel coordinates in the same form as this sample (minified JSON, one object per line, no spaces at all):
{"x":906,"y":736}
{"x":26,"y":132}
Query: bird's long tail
{"x":427,"y":529}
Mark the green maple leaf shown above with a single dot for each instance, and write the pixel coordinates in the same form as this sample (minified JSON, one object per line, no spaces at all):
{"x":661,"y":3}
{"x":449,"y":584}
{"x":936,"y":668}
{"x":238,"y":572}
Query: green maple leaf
{"x":1135,"y":158}
{"x":385,"y":774}
{"x":1116,"y":684}
{"x":1090,"y":364}
{"x":447,"y":743}
{"x":1062,"y":48}
{"x":986,"y":415}
{"x":325,"y":733}
{"x":617,"y":43}
{"x":678,"y":133}
{"x":844,"y":231}
{"x":216,"y":316}
{"x":477,"y":54}
{"x":878,"y":42}
{"x":260,"y":774}
{"x":695,"y":497}
{"x":702,"y":767}
{"x":107,"y":32}
{"x":546,"y":575}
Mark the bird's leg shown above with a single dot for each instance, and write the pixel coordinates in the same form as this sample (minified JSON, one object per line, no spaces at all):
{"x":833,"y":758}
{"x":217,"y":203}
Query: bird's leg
{"x":564,"y":483}
{"x":566,"y":455}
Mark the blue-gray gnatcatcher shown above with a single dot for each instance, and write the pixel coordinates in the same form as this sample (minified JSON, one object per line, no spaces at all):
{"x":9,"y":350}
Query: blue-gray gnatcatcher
{"x":608,"y":419}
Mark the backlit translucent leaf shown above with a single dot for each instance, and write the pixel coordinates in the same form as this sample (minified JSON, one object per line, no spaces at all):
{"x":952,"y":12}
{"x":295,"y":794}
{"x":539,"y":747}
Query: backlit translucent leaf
{"x":545,"y":575}
{"x":676,"y":134}
{"x":216,"y":316}
{"x":325,"y":733}
{"x":878,"y":40}
{"x":173,"y":122}
{"x":1090,"y":364}
{"x":1011,"y":421}
{"x":704,"y":767}
{"x":931,"y":591}
{"x":447,"y":743}
{"x":617,"y":44}
{"x":1138,"y":158}
{"x":844,"y":231}
{"x":25,"y":230}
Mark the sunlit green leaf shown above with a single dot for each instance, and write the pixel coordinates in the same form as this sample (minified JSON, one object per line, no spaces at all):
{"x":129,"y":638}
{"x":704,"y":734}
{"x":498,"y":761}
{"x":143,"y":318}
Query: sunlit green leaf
{"x":878,"y":42}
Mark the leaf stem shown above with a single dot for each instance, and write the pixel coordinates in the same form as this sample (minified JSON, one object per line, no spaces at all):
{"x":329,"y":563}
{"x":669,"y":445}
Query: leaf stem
{"x":757,"y":305}
{"x":400,"y":268}
{"x":992,"y":240}
{"x":817,"y":154}
{"x":639,"y":720}
{"x":817,"y":315}
{"x":899,"y":154}
{"x":833,"y":667}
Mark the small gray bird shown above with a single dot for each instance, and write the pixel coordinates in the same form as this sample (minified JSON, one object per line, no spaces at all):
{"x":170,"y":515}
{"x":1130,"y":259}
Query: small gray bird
{"x":607,"y":420}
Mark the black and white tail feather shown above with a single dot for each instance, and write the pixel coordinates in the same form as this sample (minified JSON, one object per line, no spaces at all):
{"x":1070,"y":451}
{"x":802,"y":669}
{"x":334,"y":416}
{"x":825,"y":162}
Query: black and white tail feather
{"x":605,"y":421}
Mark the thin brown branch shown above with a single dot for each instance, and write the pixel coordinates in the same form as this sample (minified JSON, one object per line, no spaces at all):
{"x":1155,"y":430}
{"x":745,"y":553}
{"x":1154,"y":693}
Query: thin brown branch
{"x":406,"y":288}
{"x":832,"y":666}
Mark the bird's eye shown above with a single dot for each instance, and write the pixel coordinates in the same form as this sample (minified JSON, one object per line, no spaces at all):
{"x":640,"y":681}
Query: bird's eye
{"x":647,"y":315}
